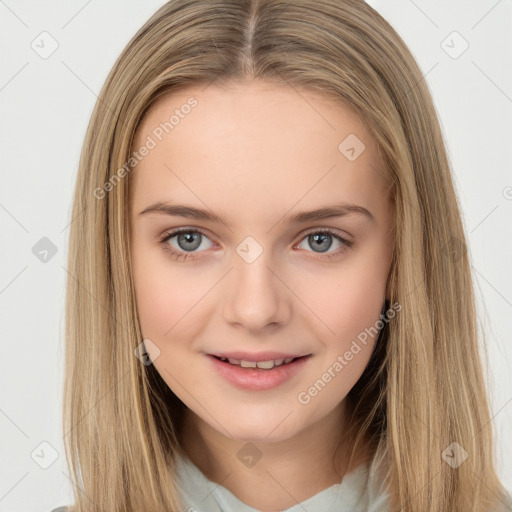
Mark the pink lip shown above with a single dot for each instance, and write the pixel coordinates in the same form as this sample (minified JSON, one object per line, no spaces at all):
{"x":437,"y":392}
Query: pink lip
{"x":257,"y":379}
{"x":256,"y":356}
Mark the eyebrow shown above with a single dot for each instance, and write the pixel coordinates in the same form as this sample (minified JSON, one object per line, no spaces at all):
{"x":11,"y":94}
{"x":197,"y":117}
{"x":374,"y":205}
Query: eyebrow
{"x":328,"y":212}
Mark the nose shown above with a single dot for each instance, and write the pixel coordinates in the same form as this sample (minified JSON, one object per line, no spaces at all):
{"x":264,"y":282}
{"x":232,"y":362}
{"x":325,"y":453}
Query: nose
{"x":256,"y":296}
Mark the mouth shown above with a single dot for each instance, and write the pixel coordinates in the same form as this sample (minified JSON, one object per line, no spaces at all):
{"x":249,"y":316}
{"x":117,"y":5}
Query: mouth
{"x":258,"y":375}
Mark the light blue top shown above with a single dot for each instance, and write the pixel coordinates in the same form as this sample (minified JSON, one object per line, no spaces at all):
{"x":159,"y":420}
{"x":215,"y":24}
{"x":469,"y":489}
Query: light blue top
{"x":356,"y":492}
{"x":352,"y":494}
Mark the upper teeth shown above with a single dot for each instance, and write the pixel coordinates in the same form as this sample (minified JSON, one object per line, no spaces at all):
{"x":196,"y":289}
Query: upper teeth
{"x":267,"y":365}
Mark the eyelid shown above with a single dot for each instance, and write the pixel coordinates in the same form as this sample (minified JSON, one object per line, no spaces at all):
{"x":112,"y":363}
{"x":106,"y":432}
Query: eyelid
{"x":170,"y":233}
{"x":332,"y":231}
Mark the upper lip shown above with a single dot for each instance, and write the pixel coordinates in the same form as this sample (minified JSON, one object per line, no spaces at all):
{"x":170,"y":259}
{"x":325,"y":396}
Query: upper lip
{"x":256,"y":356}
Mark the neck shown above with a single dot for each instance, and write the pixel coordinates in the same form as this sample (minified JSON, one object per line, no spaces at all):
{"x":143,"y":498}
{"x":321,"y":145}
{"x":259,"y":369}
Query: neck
{"x":281,"y":467}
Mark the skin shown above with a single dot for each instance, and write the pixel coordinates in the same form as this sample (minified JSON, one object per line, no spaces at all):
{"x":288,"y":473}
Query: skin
{"x":253,"y":153}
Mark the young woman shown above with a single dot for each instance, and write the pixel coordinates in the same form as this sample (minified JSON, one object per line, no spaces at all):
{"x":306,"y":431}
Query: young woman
{"x":270,"y":304}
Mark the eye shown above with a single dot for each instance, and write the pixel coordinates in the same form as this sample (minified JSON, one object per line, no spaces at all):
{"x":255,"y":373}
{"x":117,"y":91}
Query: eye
{"x":322,"y":240}
{"x":189,"y":240}
{"x":186,"y":239}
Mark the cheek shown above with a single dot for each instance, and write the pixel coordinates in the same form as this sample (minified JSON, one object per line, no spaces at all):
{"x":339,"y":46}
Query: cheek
{"x":343,"y":309}
{"x":346,"y":301}
{"x":165,"y":296}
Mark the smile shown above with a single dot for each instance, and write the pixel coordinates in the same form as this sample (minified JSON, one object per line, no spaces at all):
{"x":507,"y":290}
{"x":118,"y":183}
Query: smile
{"x":258,"y":375}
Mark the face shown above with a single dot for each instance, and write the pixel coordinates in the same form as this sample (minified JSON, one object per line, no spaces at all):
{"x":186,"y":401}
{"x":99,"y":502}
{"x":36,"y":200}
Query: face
{"x":250,"y":275}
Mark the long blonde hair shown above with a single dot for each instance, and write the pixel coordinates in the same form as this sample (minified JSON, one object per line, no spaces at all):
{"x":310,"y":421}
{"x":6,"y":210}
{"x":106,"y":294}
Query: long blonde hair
{"x":423,"y":388}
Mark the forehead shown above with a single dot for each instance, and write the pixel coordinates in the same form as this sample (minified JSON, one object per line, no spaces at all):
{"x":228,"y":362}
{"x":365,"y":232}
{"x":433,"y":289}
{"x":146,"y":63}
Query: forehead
{"x":255,"y":143}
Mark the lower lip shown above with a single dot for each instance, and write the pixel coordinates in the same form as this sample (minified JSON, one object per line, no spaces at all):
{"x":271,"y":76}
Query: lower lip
{"x":257,"y":379}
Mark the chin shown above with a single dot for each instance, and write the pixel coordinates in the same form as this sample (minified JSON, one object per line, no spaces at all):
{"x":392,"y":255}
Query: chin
{"x":261,"y":436}
{"x":267,"y":428}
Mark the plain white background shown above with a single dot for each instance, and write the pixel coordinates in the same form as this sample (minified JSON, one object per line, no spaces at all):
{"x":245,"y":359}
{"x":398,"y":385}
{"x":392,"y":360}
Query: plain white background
{"x":45,"y":107}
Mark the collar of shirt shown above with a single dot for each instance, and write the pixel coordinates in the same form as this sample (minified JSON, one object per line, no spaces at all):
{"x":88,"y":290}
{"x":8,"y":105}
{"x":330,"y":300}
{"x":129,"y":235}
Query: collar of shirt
{"x":352,"y":494}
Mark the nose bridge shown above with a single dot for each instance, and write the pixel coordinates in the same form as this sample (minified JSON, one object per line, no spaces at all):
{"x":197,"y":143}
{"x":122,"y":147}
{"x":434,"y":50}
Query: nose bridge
{"x":256,"y":297}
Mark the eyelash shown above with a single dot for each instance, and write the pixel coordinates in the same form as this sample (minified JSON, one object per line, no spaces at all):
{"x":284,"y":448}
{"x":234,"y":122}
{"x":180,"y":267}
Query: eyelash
{"x":192,"y":256}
